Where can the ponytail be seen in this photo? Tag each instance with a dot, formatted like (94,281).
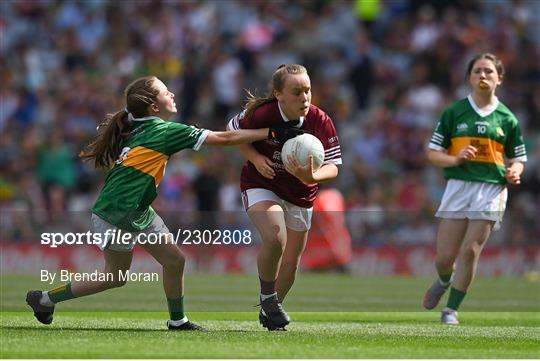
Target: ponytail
(106,147)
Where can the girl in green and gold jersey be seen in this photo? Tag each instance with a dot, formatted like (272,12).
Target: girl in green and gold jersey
(479,144)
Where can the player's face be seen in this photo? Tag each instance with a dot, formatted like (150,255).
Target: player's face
(484,77)
(295,98)
(164,107)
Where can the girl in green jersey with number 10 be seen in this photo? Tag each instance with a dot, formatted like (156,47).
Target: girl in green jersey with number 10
(135,144)
(471,142)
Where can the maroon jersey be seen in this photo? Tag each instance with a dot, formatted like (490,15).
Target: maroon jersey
(285,185)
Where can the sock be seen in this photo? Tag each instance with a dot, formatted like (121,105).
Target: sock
(455,298)
(267,288)
(445,279)
(178,322)
(176,309)
(45,300)
(62,293)
(264,297)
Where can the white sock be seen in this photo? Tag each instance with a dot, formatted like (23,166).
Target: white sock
(264,297)
(446,284)
(178,322)
(45,300)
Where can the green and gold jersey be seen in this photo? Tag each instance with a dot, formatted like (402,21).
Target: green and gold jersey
(495,133)
(131,185)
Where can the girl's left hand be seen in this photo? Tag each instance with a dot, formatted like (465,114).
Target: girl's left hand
(304,173)
(512,177)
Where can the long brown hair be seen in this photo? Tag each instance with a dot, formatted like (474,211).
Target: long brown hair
(277,83)
(116,128)
(494,59)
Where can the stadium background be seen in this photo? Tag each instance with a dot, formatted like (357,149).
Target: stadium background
(382,70)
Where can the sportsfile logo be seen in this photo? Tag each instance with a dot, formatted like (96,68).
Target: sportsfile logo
(114,236)
(123,238)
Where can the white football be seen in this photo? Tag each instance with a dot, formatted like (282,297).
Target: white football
(302,147)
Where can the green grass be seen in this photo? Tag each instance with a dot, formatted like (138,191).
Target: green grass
(334,316)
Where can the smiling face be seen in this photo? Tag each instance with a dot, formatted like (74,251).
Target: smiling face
(164,106)
(484,77)
(295,97)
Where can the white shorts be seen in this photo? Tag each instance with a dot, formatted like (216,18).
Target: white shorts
(473,200)
(115,242)
(296,218)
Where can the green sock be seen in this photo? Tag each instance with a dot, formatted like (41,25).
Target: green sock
(445,278)
(62,293)
(176,308)
(455,298)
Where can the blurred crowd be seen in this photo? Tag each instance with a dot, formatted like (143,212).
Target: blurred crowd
(383,70)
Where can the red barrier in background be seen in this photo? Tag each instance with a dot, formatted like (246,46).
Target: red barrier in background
(410,260)
(329,242)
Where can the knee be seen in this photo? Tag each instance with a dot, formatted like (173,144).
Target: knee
(444,262)
(175,260)
(470,253)
(117,281)
(289,269)
(276,242)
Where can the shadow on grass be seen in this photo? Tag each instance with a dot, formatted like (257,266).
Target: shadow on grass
(115,329)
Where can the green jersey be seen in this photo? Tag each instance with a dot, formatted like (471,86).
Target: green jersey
(494,132)
(131,185)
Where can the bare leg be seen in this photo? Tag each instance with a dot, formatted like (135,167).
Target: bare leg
(269,219)
(475,238)
(449,239)
(172,260)
(296,243)
(114,263)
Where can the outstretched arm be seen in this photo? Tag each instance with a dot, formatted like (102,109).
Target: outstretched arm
(236,137)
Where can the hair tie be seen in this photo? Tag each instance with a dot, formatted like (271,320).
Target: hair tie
(130,116)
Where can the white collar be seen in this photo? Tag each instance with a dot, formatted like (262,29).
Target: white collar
(483,112)
(130,116)
(300,120)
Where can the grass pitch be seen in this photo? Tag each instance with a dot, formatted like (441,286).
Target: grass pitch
(334,316)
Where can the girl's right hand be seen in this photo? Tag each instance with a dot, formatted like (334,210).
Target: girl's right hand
(467,153)
(264,166)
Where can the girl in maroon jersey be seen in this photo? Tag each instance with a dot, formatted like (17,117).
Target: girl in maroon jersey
(279,197)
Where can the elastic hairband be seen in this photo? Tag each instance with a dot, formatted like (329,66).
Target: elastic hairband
(131,118)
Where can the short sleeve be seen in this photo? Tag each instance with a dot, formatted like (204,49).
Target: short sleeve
(515,146)
(328,136)
(234,123)
(180,136)
(440,140)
